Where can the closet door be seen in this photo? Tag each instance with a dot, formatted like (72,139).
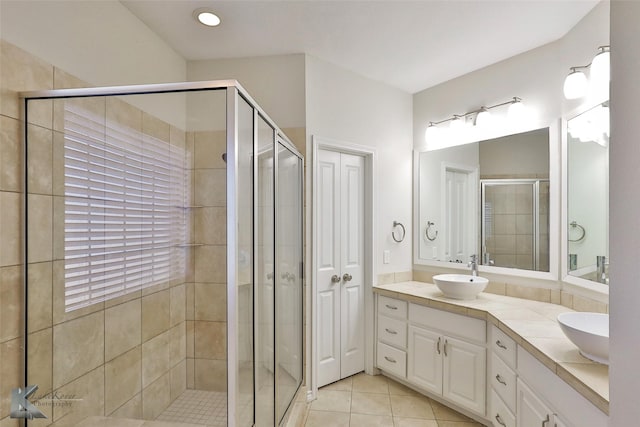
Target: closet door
(340,298)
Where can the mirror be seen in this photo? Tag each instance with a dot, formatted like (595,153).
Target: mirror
(489,198)
(588,194)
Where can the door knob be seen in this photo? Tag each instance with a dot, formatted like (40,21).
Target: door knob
(347,277)
(335,278)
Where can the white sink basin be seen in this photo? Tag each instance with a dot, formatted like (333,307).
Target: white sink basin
(460,286)
(589,332)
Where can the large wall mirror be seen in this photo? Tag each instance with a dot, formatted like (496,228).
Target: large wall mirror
(587,218)
(490,198)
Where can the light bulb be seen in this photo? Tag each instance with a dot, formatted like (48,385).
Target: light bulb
(206,17)
(600,72)
(457,123)
(484,118)
(431,132)
(517,112)
(575,85)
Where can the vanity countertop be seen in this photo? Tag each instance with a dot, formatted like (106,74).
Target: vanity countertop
(531,324)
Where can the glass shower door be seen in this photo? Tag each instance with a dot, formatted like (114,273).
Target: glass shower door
(288,279)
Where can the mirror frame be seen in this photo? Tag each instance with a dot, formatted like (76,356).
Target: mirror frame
(567,279)
(556,184)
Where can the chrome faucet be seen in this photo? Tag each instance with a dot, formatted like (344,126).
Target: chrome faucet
(601,268)
(473,264)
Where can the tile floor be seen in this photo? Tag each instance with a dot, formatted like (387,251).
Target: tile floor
(198,407)
(370,401)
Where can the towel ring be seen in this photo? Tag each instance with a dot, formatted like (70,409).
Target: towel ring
(574,224)
(429,224)
(393,233)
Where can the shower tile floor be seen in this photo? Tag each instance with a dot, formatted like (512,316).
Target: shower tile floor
(208,408)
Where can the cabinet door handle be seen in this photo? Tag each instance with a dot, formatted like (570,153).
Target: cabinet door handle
(445,347)
(438,346)
(544,422)
(499,344)
(390,359)
(499,420)
(500,380)
(390,331)
(391,307)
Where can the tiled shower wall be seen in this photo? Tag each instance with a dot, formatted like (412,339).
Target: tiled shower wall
(124,357)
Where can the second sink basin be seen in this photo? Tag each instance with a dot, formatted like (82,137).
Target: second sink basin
(460,286)
(589,332)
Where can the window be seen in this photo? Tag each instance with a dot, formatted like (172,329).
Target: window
(124,211)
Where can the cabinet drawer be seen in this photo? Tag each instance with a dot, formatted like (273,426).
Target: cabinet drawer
(504,346)
(392,331)
(392,307)
(499,414)
(450,323)
(503,381)
(392,360)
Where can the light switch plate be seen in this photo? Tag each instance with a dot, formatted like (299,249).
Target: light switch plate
(386,257)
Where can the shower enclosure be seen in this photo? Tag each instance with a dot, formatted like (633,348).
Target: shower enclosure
(163,246)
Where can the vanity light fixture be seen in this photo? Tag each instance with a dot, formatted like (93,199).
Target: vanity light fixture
(206,17)
(576,83)
(483,118)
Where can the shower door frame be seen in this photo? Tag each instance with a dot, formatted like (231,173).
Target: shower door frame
(234,90)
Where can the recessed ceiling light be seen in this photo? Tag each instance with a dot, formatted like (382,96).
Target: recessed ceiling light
(206,17)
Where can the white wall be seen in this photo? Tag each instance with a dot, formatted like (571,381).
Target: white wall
(275,82)
(100,42)
(624,375)
(344,106)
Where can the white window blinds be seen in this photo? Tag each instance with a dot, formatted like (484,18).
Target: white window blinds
(125,222)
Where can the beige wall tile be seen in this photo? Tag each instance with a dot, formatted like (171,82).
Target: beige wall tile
(178,305)
(57,164)
(566,299)
(178,379)
(122,114)
(155,314)
(122,328)
(403,276)
(210,187)
(10,226)
(40,164)
(555,296)
(89,388)
(155,358)
(496,288)
(210,375)
(177,344)
(211,264)
(210,340)
(11,300)
(78,347)
(536,294)
(422,276)
(191,374)
(209,147)
(10,372)
(40,308)
(386,278)
(123,379)
(9,422)
(190,302)
(178,138)
(585,304)
(190,338)
(58,228)
(40,223)
(11,157)
(156,128)
(210,302)
(22,71)
(156,397)
(131,409)
(210,225)
(40,360)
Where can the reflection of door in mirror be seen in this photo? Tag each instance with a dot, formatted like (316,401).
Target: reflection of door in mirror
(459,212)
(588,194)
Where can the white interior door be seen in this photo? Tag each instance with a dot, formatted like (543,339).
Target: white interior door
(340,265)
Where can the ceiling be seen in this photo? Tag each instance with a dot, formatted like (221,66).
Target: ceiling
(411,45)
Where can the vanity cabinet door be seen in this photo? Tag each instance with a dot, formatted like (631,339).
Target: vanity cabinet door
(464,374)
(531,411)
(425,359)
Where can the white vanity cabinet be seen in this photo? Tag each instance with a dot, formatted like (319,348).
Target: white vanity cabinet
(446,355)
(391,348)
(502,378)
